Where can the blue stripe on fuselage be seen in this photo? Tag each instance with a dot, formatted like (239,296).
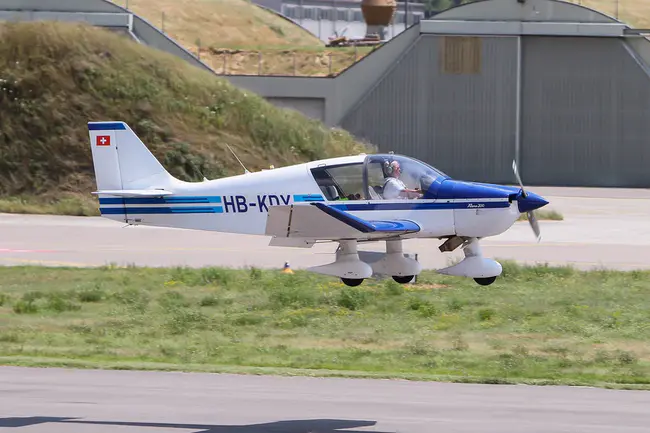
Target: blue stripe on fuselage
(166,205)
(307,197)
(161,200)
(415,205)
(159,210)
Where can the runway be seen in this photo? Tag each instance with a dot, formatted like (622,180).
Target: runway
(602,228)
(86,401)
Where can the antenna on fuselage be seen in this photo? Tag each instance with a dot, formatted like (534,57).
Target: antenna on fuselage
(240,163)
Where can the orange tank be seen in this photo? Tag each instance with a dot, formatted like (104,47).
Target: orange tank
(378,12)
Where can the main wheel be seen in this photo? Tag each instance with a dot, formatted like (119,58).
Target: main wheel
(485,281)
(352,282)
(402,279)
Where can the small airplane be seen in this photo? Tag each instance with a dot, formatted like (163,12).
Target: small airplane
(348,200)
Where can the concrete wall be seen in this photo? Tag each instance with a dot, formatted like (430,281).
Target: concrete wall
(310,107)
(458,115)
(61,5)
(338,94)
(153,37)
(356,81)
(311,96)
(100,19)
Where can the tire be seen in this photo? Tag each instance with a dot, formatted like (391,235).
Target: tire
(485,281)
(403,279)
(352,282)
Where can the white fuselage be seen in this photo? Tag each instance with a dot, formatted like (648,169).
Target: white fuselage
(239,204)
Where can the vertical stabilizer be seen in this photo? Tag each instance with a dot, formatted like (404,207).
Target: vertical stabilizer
(122,161)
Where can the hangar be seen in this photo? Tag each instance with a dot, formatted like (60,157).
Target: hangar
(563,89)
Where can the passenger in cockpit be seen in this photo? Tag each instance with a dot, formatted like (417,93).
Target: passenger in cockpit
(394,188)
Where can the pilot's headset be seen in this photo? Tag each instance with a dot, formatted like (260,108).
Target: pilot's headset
(388,168)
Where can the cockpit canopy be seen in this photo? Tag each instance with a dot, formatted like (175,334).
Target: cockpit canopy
(367,180)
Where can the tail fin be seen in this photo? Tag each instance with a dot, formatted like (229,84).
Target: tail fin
(122,162)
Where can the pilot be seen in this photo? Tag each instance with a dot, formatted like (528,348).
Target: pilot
(394,188)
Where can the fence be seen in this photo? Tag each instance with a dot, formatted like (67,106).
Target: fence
(281,62)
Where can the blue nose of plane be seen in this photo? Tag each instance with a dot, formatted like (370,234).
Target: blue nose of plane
(531,202)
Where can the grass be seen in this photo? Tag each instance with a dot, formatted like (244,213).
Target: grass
(221,23)
(55,77)
(540,324)
(541,214)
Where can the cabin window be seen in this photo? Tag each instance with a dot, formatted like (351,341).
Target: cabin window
(341,182)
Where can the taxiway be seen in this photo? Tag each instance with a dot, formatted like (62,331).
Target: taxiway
(87,401)
(607,228)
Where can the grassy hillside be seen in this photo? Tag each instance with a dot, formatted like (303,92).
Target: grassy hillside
(224,23)
(635,13)
(240,31)
(58,76)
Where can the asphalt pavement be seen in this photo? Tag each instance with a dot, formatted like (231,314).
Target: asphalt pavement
(87,401)
(607,228)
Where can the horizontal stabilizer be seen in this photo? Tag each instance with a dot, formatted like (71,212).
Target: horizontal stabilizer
(320,221)
(135,192)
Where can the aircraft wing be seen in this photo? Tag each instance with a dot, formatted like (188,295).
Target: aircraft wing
(135,192)
(318,221)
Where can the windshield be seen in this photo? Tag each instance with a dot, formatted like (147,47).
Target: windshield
(379,177)
(392,177)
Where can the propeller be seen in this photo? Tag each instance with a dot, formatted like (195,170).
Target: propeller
(532,219)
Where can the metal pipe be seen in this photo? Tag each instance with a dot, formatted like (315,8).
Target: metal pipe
(518,107)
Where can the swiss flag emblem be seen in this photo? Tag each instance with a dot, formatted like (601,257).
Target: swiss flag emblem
(103,140)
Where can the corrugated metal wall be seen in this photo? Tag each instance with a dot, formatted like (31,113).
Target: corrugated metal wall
(586,113)
(450,101)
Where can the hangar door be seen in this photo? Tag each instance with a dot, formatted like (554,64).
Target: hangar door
(585,114)
(449,101)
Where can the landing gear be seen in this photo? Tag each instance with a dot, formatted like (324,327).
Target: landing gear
(483,270)
(352,270)
(485,281)
(403,279)
(347,266)
(352,282)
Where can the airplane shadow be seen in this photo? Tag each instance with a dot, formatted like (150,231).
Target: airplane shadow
(292,426)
